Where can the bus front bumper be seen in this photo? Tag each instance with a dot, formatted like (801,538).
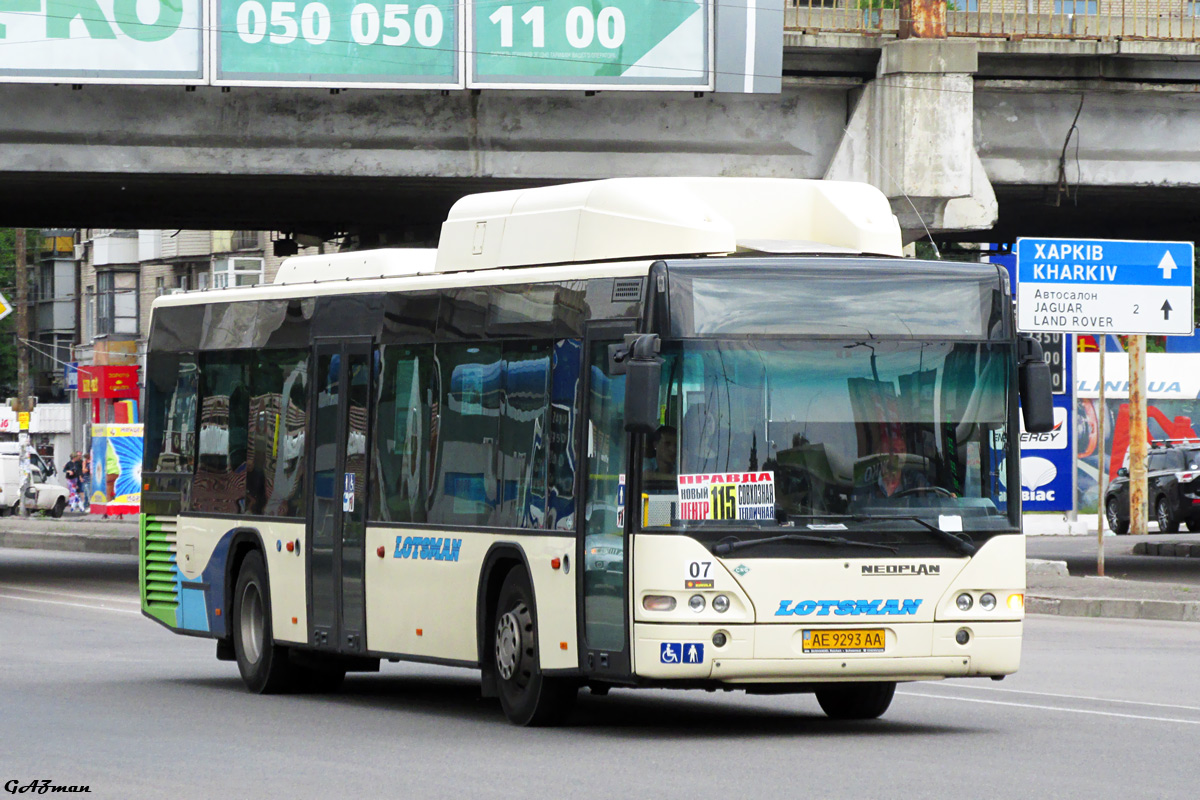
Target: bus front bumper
(776,653)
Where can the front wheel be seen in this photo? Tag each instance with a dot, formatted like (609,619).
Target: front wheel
(60,505)
(527,696)
(857,700)
(264,665)
(1166,520)
(1115,523)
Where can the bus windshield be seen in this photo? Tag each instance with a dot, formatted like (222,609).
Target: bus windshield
(825,434)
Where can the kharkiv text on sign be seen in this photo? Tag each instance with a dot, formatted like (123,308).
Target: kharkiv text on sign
(1104,286)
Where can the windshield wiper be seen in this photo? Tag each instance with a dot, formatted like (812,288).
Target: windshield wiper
(960,544)
(727,546)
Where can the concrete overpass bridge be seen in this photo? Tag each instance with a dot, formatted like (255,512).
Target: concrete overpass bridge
(1010,125)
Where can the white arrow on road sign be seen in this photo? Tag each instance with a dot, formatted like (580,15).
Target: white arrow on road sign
(1167,265)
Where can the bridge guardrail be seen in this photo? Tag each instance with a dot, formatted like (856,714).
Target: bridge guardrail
(1152,20)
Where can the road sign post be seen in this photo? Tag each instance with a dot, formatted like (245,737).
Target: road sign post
(1103,286)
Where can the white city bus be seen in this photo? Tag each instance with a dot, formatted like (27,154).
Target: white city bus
(639,432)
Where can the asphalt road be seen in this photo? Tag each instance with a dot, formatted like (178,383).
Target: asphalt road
(92,693)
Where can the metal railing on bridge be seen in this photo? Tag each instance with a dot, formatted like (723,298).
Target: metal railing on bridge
(1152,20)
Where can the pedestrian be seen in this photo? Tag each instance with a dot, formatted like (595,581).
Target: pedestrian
(73,472)
(85,481)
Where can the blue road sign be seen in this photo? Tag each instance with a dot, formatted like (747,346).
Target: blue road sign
(1104,286)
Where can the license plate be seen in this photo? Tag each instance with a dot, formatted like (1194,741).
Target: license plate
(864,640)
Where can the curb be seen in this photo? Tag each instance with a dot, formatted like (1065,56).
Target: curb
(1169,610)
(70,542)
(1169,549)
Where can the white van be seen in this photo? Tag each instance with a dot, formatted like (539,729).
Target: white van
(41,495)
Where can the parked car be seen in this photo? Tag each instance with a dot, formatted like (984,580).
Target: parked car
(1172,489)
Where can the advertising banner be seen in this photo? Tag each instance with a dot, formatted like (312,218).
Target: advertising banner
(1172,411)
(102,41)
(116,469)
(609,44)
(1046,462)
(338,43)
(112,382)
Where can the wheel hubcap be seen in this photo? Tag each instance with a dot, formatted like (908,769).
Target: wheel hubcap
(508,645)
(251,623)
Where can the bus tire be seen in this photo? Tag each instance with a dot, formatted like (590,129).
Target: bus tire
(857,700)
(527,696)
(264,665)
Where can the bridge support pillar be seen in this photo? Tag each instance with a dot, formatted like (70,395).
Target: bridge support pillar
(912,135)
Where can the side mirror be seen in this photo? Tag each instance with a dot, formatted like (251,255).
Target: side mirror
(1033,374)
(1123,472)
(638,359)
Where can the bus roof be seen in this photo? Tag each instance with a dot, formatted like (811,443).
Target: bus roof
(624,218)
(631,219)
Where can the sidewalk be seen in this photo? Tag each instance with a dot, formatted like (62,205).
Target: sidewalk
(73,533)
(1060,574)
(1051,589)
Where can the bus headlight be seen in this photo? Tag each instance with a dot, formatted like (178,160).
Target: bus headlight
(987,601)
(720,604)
(696,603)
(964,602)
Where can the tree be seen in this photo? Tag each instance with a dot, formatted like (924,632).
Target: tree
(8,325)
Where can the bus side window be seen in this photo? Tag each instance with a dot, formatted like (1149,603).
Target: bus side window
(219,482)
(464,483)
(522,448)
(564,416)
(170,412)
(403,425)
(278,410)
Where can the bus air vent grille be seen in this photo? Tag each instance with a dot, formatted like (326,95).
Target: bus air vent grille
(158,563)
(627,290)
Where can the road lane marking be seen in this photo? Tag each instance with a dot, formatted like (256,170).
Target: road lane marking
(1074,697)
(74,605)
(1051,708)
(125,599)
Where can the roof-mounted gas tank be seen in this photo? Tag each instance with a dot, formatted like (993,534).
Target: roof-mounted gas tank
(636,218)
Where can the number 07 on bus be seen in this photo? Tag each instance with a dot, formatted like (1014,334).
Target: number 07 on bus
(709,433)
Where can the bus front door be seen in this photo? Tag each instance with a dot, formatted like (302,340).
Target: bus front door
(604,551)
(338,477)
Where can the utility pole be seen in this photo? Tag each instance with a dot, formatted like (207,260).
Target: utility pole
(24,385)
(1137,435)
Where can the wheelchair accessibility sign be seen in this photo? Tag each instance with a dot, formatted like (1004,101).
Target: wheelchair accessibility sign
(682,653)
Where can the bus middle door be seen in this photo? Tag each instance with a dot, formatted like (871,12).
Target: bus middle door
(338,477)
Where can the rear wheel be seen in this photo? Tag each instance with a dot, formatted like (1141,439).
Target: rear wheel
(264,665)
(857,700)
(527,696)
(1193,525)
(1114,520)
(1166,520)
